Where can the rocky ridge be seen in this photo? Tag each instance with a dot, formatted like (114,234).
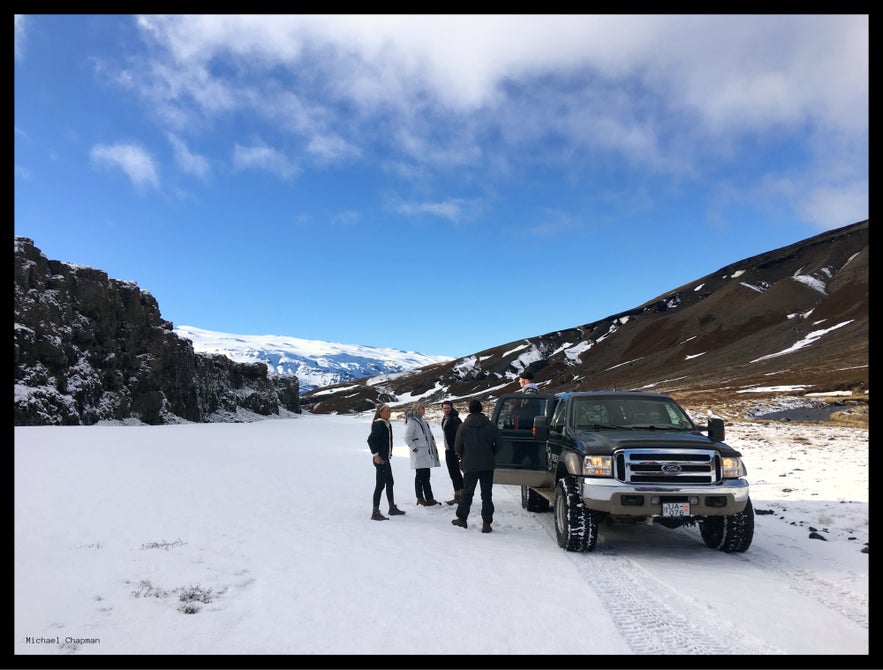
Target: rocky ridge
(88,348)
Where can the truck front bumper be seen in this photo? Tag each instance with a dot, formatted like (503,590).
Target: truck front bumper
(618,498)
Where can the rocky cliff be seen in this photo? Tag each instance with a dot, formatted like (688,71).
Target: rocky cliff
(89,348)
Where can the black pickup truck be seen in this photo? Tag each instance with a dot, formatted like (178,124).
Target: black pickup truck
(622,457)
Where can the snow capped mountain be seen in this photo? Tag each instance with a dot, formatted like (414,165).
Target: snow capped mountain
(315,363)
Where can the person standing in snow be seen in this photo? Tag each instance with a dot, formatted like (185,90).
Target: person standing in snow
(424,453)
(449,423)
(380,443)
(476,445)
(525,381)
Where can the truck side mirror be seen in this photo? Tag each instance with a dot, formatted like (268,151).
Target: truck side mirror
(716,429)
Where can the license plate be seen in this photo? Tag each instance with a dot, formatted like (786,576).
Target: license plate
(675,509)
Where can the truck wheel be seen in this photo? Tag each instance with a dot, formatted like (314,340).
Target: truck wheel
(576,528)
(712,531)
(533,501)
(730,534)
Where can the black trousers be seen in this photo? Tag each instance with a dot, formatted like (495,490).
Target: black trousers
(484,478)
(453,464)
(383,473)
(421,484)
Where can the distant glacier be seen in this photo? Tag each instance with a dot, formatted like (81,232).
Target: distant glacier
(316,363)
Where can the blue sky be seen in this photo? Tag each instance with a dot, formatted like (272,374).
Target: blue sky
(439,184)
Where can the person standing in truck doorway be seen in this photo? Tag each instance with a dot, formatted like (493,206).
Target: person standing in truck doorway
(525,380)
(449,423)
(476,445)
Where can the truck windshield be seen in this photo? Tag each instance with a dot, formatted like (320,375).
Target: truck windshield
(598,413)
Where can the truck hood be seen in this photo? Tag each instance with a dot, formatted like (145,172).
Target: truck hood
(607,441)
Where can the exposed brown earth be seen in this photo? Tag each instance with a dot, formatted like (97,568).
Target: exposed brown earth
(792,322)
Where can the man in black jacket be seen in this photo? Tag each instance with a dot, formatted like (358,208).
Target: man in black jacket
(476,445)
(449,423)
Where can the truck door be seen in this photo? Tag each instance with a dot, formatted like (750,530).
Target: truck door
(556,431)
(521,459)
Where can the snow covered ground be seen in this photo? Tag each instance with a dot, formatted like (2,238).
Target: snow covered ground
(256,538)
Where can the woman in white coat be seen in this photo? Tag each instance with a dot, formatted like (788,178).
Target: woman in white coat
(424,453)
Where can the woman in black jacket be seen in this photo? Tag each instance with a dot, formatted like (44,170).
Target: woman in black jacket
(380,443)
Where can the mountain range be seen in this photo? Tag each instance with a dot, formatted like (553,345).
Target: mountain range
(315,363)
(793,320)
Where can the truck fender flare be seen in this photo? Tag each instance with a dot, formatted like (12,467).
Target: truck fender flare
(571,464)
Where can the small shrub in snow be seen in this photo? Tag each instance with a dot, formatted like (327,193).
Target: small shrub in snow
(147,590)
(195,594)
(163,544)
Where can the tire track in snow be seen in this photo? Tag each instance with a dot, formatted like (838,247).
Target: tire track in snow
(648,623)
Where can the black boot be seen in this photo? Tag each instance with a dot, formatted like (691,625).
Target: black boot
(393,510)
(377,516)
(486,527)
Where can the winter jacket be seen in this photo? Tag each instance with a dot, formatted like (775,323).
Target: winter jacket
(449,425)
(421,442)
(477,443)
(380,439)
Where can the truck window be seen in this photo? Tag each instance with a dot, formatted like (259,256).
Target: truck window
(519,413)
(653,412)
(559,417)
(588,412)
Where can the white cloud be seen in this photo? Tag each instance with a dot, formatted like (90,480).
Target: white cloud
(262,157)
(331,149)
(132,159)
(20,23)
(666,93)
(188,161)
(830,207)
(780,69)
(448,209)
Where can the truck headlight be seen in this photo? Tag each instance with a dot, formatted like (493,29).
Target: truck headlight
(733,467)
(598,466)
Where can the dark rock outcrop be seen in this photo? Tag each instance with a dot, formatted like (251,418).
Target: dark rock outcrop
(89,348)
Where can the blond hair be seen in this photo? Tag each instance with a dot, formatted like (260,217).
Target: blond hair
(379,409)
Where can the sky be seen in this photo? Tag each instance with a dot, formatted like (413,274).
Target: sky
(365,179)
(256,538)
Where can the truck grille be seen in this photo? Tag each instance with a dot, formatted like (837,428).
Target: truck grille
(669,466)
